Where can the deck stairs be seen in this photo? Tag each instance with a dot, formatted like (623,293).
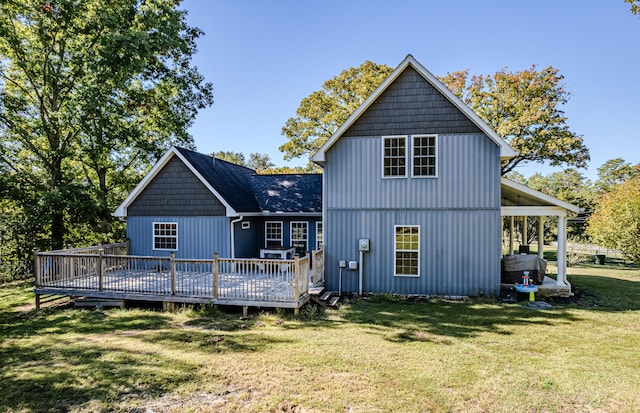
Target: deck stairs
(324,298)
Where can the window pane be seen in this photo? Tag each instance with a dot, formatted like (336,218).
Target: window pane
(424,156)
(407,250)
(394,156)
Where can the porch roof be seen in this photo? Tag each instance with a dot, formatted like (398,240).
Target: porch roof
(520,196)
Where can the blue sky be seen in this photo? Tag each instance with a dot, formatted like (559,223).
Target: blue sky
(264,57)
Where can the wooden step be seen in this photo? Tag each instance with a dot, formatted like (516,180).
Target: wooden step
(333,301)
(316,290)
(326,295)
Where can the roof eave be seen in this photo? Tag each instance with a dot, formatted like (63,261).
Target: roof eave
(542,196)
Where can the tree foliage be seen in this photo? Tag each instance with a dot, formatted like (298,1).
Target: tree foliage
(524,108)
(616,221)
(91,93)
(635,6)
(614,172)
(322,112)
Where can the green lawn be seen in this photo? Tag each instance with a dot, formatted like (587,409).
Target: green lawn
(381,354)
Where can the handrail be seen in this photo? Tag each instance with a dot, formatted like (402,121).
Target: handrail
(218,279)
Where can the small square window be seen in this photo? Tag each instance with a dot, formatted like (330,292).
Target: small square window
(165,236)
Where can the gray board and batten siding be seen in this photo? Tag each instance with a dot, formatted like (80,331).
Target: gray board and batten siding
(458,211)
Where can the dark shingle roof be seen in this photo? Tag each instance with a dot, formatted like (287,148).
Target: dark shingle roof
(231,181)
(288,192)
(246,191)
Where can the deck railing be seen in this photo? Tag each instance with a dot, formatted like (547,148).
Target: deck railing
(317,276)
(223,279)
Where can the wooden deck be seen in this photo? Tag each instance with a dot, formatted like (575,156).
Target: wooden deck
(237,282)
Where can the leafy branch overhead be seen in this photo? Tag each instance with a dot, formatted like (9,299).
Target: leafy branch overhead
(524,108)
(91,93)
(321,113)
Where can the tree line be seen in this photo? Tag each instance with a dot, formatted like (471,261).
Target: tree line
(93,92)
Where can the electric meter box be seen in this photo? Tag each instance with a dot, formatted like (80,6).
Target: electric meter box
(363,244)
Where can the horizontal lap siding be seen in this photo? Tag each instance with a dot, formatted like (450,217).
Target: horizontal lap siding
(198,237)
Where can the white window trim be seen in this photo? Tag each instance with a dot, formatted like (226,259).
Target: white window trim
(246,224)
(395,227)
(266,239)
(153,236)
(426,135)
(407,151)
(319,223)
(306,223)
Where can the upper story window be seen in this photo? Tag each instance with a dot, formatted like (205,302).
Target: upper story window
(394,156)
(165,236)
(273,234)
(425,155)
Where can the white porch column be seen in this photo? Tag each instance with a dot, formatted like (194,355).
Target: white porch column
(525,234)
(540,237)
(511,234)
(562,250)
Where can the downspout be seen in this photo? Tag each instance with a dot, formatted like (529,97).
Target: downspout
(233,240)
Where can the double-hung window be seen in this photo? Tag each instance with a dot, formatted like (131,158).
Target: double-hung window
(299,237)
(407,251)
(415,153)
(165,236)
(394,156)
(424,156)
(273,234)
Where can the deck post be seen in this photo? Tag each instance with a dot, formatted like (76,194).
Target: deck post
(36,267)
(296,268)
(36,273)
(313,268)
(172,258)
(215,276)
(100,269)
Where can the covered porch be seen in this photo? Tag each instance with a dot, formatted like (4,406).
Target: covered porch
(521,201)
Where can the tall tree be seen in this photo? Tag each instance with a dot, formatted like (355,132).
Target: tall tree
(616,221)
(614,172)
(524,108)
(322,112)
(91,92)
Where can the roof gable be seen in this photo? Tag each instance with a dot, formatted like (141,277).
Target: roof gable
(411,62)
(229,180)
(239,189)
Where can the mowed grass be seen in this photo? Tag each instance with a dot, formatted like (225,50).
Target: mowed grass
(379,354)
